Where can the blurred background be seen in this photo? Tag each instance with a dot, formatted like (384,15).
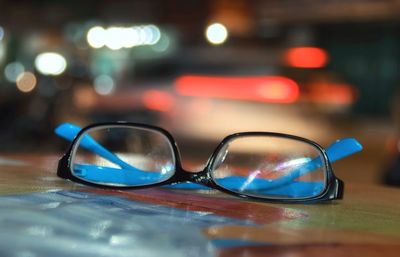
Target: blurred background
(321,69)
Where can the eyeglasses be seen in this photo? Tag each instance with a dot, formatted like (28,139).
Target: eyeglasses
(265,166)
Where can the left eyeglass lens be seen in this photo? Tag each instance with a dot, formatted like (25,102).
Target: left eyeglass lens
(123,156)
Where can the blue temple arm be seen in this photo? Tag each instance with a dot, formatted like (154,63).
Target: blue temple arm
(336,151)
(342,148)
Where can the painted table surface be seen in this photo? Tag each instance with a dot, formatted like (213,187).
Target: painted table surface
(42,215)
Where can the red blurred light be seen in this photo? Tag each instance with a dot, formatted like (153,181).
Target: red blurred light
(158,100)
(306,57)
(273,89)
(332,93)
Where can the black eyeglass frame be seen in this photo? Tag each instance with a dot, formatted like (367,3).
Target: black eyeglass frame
(333,190)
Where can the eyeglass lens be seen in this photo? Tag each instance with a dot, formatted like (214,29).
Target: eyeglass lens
(270,167)
(123,156)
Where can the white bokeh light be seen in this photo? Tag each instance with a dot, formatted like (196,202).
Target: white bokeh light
(13,70)
(116,38)
(150,35)
(96,37)
(132,37)
(104,85)
(216,34)
(50,63)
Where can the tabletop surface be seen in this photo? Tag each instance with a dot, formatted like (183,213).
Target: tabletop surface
(76,220)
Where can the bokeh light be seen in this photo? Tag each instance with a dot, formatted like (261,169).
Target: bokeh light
(104,85)
(332,93)
(216,34)
(132,37)
(158,100)
(163,44)
(26,82)
(270,89)
(116,38)
(50,63)
(13,70)
(84,96)
(306,57)
(96,37)
(150,34)
(1,33)
(2,52)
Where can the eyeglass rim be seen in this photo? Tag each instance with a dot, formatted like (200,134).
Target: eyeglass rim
(334,187)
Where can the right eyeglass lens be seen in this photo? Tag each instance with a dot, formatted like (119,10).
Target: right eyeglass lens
(123,156)
(270,167)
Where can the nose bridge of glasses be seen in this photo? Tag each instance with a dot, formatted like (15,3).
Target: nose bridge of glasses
(200,177)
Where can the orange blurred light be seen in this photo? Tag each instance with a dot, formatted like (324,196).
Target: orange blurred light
(84,96)
(158,100)
(273,89)
(26,82)
(306,57)
(332,93)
